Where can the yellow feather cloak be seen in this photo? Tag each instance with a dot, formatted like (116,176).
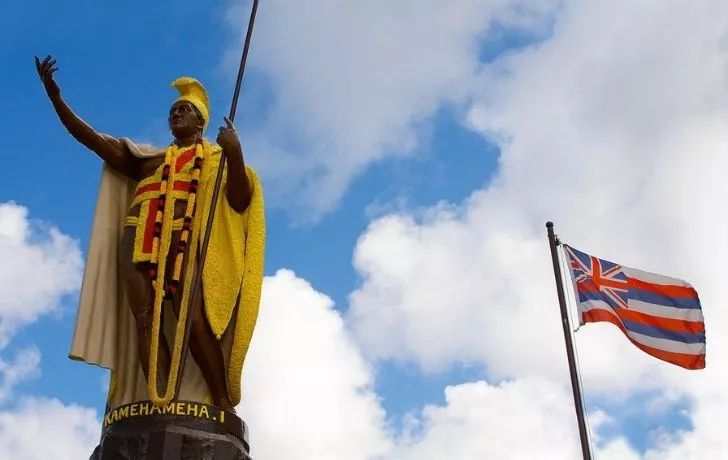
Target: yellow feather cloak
(105,333)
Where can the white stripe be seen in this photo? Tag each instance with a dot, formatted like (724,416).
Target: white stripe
(589,305)
(654,342)
(661,311)
(669,345)
(653,278)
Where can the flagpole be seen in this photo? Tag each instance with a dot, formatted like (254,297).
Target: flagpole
(575,385)
(197,280)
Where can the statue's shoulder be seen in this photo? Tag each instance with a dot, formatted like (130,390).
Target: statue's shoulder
(213,148)
(142,150)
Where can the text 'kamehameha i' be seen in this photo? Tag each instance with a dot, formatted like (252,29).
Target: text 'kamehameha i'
(176,408)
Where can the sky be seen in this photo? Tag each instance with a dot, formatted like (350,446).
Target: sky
(411,152)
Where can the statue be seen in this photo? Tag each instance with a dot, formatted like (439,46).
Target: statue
(149,222)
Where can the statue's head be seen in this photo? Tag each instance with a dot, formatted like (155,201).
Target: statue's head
(190,113)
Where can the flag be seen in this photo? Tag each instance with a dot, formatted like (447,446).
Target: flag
(662,316)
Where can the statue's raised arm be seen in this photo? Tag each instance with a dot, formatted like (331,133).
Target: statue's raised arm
(113,151)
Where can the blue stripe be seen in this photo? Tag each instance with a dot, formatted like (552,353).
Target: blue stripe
(666,301)
(592,295)
(659,333)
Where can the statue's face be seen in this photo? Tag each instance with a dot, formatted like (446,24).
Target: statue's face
(184,120)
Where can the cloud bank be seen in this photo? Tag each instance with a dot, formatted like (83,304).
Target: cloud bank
(613,126)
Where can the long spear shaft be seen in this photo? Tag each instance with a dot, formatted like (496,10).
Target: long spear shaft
(573,372)
(197,280)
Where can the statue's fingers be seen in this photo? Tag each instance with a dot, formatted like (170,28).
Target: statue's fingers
(52,71)
(48,64)
(229,123)
(37,64)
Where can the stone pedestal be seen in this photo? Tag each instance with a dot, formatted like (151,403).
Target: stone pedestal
(181,431)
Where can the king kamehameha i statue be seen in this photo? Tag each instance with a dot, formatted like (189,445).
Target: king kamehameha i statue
(149,224)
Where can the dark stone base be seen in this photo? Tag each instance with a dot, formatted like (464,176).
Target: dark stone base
(173,437)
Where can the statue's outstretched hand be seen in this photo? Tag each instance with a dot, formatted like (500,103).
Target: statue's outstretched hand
(46,69)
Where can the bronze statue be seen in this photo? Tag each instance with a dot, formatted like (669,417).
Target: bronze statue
(151,213)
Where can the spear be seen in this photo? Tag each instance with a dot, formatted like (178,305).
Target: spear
(197,280)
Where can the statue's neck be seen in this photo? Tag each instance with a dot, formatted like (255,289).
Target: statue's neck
(187,141)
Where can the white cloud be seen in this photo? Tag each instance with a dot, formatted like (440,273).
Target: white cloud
(39,429)
(526,418)
(23,367)
(306,383)
(307,391)
(614,128)
(610,180)
(38,268)
(497,419)
(308,394)
(354,81)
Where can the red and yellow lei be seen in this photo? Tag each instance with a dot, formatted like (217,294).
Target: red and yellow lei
(178,178)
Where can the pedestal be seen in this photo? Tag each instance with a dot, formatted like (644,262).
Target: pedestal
(181,431)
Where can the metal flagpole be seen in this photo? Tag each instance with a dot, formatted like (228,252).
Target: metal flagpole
(197,280)
(575,385)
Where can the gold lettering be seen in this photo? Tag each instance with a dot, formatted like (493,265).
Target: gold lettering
(192,408)
(170,408)
(142,408)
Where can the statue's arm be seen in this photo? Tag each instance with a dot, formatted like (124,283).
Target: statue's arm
(238,190)
(113,151)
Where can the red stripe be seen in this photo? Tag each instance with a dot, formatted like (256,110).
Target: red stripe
(148,240)
(668,324)
(662,289)
(184,158)
(147,188)
(591,287)
(684,360)
(149,226)
(181,185)
(178,185)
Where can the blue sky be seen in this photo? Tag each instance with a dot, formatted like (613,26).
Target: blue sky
(435,178)
(119,83)
(101,81)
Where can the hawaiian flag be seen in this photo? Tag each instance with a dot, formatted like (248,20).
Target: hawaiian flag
(660,315)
